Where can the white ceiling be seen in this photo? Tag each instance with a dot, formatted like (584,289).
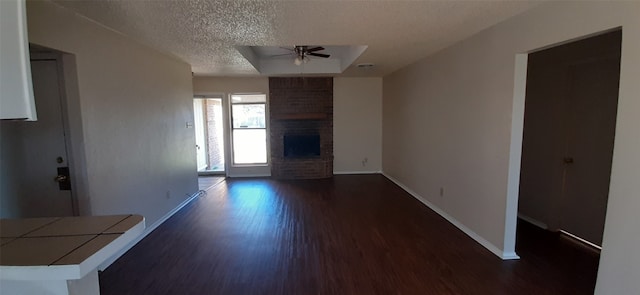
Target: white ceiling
(205,33)
(274,60)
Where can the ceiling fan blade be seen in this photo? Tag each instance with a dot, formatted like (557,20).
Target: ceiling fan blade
(315,49)
(288,48)
(275,55)
(319,55)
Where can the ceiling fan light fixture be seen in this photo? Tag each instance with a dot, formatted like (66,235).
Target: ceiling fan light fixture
(297,61)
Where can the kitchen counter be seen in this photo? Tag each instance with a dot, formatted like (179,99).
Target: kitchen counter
(60,255)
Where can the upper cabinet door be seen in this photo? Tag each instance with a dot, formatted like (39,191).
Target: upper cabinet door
(16,90)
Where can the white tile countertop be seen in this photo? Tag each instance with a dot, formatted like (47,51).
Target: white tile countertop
(62,248)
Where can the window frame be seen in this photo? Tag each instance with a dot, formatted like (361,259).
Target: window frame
(232,128)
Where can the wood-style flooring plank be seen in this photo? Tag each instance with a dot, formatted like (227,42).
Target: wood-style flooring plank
(351,234)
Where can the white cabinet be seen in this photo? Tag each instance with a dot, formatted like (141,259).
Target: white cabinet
(16,90)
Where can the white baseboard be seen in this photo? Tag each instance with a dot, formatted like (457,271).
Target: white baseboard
(488,245)
(148,230)
(356,172)
(535,222)
(249,175)
(509,256)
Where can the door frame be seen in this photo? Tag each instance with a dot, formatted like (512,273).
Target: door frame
(225,131)
(199,125)
(71,122)
(230,170)
(517,130)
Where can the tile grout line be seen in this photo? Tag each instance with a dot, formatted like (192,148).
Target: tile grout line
(71,251)
(94,237)
(123,219)
(35,229)
(41,227)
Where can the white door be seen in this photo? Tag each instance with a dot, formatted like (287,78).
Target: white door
(209,130)
(200,130)
(33,153)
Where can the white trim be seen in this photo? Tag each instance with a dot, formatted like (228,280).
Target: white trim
(356,172)
(147,231)
(581,240)
(214,95)
(249,175)
(515,152)
(211,173)
(491,247)
(267,129)
(509,256)
(535,222)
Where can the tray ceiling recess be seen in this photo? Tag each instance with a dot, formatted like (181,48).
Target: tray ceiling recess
(288,59)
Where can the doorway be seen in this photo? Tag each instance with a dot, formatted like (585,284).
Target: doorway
(231,134)
(569,130)
(38,168)
(209,131)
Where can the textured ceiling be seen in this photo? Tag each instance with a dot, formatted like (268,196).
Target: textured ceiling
(274,60)
(203,33)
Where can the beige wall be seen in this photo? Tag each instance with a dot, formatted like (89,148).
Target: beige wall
(228,85)
(451,121)
(134,105)
(357,125)
(357,116)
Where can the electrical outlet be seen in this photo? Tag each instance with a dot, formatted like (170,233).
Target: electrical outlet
(442,191)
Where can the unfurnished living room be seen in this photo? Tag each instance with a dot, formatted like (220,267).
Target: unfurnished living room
(319,147)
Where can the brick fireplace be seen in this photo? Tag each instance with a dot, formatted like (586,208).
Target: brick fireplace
(301,117)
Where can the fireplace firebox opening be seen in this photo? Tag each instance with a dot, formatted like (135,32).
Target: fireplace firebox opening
(302,146)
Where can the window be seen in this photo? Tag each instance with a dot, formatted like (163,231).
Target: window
(249,129)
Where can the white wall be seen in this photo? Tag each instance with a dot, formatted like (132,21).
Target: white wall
(451,121)
(357,125)
(134,103)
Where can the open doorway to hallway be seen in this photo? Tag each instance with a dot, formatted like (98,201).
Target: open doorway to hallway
(567,147)
(209,129)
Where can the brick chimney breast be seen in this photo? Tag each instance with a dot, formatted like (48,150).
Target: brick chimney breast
(301,107)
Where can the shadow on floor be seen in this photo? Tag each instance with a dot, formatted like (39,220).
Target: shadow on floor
(207,182)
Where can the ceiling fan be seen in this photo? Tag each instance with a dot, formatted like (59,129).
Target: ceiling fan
(303,52)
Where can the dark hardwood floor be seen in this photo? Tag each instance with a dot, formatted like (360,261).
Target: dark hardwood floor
(207,182)
(352,234)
